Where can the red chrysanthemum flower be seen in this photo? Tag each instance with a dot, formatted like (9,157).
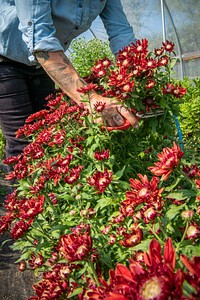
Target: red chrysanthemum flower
(74,175)
(155,279)
(168,46)
(34,150)
(5,222)
(100,180)
(191,171)
(179,91)
(37,116)
(102,155)
(193,276)
(159,51)
(36,261)
(75,246)
(193,231)
(58,138)
(49,289)
(133,238)
(99,106)
(169,159)
(143,191)
(119,78)
(163,61)
(140,46)
(150,104)
(29,208)
(88,88)
(197,181)
(150,84)
(19,228)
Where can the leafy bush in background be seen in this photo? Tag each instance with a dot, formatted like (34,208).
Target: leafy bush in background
(190,111)
(83,54)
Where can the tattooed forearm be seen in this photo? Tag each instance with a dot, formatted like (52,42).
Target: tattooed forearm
(60,69)
(42,55)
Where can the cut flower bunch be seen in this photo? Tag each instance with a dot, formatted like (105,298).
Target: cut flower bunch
(138,78)
(86,218)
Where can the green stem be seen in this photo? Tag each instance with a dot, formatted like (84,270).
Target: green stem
(44,232)
(161,228)
(93,273)
(188,180)
(157,237)
(183,236)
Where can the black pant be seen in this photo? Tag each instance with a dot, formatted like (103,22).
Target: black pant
(23,90)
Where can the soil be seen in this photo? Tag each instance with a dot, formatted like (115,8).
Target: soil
(14,285)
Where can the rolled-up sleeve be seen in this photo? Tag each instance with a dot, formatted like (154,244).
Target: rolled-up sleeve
(119,31)
(36,25)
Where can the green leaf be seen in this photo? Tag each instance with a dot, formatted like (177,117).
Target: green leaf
(119,173)
(143,246)
(182,194)
(75,292)
(172,186)
(103,202)
(174,210)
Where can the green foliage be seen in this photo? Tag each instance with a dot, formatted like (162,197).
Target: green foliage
(190,111)
(83,54)
(68,183)
(2,144)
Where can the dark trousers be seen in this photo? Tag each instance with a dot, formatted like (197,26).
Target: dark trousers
(23,91)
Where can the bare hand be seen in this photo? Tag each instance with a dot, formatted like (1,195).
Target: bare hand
(114,114)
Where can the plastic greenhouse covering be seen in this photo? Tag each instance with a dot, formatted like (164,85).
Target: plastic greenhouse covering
(160,20)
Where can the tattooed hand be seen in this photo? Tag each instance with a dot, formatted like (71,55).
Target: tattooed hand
(114,114)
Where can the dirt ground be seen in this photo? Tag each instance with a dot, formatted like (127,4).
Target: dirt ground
(14,285)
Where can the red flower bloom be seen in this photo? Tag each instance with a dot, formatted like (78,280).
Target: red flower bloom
(197,181)
(179,91)
(36,116)
(34,150)
(58,138)
(99,68)
(102,155)
(36,261)
(140,46)
(163,61)
(143,191)
(175,90)
(191,171)
(22,266)
(132,239)
(74,175)
(150,84)
(159,51)
(75,246)
(169,159)
(86,89)
(19,228)
(168,46)
(100,180)
(49,289)
(148,214)
(193,277)
(119,78)
(99,106)
(29,208)
(193,231)
(5,222)
(157,279)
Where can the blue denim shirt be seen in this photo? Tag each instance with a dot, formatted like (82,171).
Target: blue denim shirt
(27,26)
